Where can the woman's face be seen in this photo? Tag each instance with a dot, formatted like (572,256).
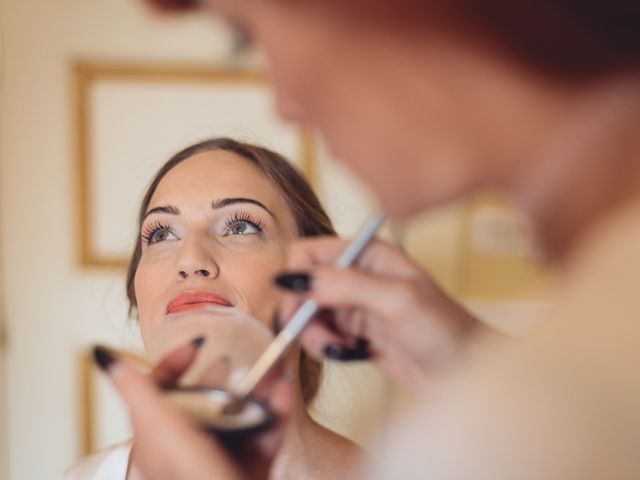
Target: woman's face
(215,233)
(421,119)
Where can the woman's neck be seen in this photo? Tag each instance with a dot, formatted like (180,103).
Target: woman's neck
(590,166)
(311,451)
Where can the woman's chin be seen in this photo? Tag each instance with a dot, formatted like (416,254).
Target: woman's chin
(232,341)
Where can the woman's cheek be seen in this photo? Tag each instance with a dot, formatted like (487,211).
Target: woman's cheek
(260,292)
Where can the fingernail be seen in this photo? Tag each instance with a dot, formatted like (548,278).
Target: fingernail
(297,282)
(198,341)
(362,344)
(103,357)
(275,324)
(359,352)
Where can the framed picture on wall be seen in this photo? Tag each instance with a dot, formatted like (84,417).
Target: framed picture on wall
(103,419)
(500,259)
(131,119)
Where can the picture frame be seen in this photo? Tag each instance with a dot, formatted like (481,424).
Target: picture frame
(103,420)
(131,118)
(500,258)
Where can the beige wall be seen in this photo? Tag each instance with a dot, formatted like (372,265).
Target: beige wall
(3,359)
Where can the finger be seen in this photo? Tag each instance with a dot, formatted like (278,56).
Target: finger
(319,333)
(167,372)
(317,339)
(282,401)
(168,445)
(335,289)
(308,252)
(213,374)
(279,393)
(335,334)
(340,289)
(378,257)
(272,388)
(306,256)
(349,322)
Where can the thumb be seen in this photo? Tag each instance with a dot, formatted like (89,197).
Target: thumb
(280,394)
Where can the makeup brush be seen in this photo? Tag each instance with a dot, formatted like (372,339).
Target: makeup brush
(300,319)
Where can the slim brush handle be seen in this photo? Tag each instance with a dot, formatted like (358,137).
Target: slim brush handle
(360,241)
(301,318)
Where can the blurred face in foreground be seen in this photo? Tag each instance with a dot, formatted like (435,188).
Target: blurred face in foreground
(421,117)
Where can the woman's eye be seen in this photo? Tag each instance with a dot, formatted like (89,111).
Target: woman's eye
(160,235)
(243,228)
(243,223)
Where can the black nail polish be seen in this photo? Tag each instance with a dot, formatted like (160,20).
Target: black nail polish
(362,344)
(198,341)
(103,358)
(297,282)
(334,351)
(275,324)
(359,352)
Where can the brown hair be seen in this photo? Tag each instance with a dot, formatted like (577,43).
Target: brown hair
(308,213)
(570,38)
(575,39)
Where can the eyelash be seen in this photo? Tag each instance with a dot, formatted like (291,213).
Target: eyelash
(149,230)
(243,217)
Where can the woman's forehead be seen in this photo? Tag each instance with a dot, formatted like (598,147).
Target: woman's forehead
(215,175)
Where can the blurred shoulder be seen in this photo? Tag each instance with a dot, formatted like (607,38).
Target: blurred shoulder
(599,301)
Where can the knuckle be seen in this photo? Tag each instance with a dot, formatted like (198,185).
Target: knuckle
(407,295)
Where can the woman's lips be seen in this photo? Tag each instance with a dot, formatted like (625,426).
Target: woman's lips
(196,300)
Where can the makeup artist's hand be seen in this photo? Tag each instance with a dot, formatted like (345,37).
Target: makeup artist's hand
(167,445)
(385,308)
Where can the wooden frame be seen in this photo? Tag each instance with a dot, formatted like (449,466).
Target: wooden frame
(87,76)
(87,404)
(500,260)
(99,400)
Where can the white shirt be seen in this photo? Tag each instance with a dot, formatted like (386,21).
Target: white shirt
(109,464)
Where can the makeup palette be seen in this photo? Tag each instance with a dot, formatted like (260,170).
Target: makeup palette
(209,408)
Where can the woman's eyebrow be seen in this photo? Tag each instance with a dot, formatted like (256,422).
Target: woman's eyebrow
(171,210)
(225,202)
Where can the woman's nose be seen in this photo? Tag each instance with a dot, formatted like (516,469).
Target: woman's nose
(203,272)
(197,261)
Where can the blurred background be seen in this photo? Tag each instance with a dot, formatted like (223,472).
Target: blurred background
(94,96)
